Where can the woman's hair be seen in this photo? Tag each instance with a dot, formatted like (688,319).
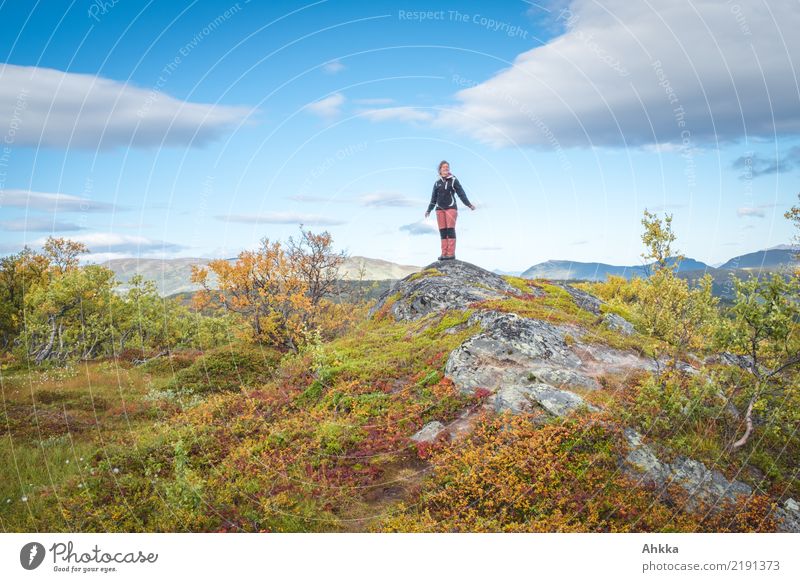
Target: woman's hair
(442,163)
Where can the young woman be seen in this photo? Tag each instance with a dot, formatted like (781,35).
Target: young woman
(443,198)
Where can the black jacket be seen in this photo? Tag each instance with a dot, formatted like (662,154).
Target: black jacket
(443,193)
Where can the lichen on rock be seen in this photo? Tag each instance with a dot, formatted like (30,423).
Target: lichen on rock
(448,285)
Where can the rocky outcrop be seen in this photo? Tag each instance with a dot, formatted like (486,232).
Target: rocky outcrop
(442,285)
(600,359)
(618,323)
(582,299)
(511,350)
(519,352)
(593,305)
(520,362)
(523,364)
(788,516)
(519,398)
(699,482)
(516,354)
(729,359)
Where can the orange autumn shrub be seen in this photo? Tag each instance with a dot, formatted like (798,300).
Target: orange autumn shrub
(514,476)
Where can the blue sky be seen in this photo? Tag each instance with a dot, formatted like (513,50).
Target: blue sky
(195,129)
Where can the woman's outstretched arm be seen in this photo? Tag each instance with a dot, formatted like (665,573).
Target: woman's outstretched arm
(433,201)
(461,194)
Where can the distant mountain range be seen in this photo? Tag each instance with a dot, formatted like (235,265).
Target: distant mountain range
(174,275)
(766,259)
(170,275)
(600,271)
(375,269)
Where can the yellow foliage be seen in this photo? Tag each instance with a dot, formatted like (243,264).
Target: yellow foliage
(279,291)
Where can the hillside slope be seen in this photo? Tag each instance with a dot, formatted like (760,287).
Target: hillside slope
(466,401)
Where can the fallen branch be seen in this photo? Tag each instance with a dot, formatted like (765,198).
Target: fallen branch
(140,362)
(748,419)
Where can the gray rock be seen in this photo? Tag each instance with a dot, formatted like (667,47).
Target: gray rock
(574,330)
(513,398)
(465,423)
(445,285)
(642,462)
(687,368)
(700,483)
(428,433)
(605,359)
(729,359)
(558,402)
(581,298)
(617,323)
(788,515)
(519,398)
(510,350)
(562,378)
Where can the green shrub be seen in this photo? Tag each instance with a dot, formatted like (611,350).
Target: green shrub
(333,438)
(224,370)
(171,363)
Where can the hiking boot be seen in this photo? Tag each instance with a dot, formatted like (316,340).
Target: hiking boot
(441,258)
(452,258)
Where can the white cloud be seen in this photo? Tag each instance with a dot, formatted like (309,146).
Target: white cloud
(662,148)
(111,242)
(282,218)
(53,202)
(382,199)
(31,224)
(754,210)
(52,108)
(100,258)
(755,165)
(328,107)
(312,198)
(398,113)
(419,228)
(634,73)
(750,211)
(665,207)
(333,67)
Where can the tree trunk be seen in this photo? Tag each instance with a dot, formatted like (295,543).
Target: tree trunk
(44,353)
(90,352)
(257,325)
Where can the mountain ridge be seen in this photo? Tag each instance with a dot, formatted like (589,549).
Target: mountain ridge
(173,275)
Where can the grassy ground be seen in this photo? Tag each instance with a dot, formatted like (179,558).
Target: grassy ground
(235,440)
(55,422)
(316,445)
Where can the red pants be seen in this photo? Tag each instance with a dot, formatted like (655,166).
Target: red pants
(446,219)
